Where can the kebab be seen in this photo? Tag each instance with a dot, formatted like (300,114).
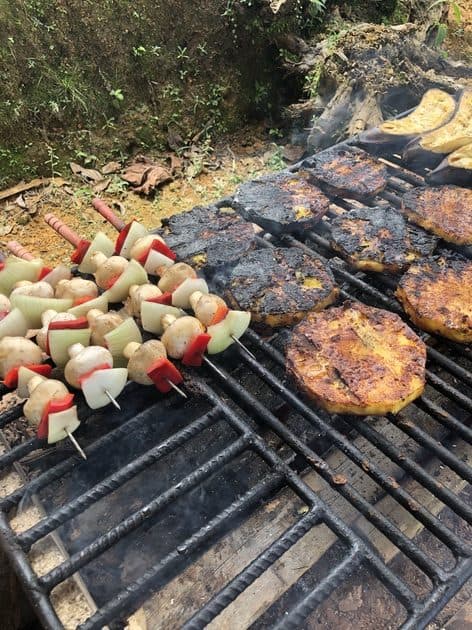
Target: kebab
(148,364)
(51,276)
(12,321)
(84,249)
(16,352)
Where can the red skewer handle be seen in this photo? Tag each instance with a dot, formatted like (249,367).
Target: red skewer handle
(62,229)
(108,214)
(18,250)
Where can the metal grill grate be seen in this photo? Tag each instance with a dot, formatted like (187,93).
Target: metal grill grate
(446,405)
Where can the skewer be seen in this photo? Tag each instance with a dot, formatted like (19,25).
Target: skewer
(236,340)
(177,389)
(63,230)
(213,366)
(107,213)
(19,251)
(112,400)
(76,444)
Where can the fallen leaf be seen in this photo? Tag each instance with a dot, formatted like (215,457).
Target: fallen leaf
(176,163)
(101,186)
(75,168)
(111,167)
(145,175)
(87,174)
(136,173)
(157,176)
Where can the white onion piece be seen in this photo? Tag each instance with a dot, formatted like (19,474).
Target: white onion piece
(24,377)
(152,314)
(235,323)
(33,307)
(133,274)
(17,269)
(81,310)
(101,243)
(118,338)
(61,340)
(14,324)
(59,422)
(93,387)
(156,260)
(56,275)
(181,295)
(136,231)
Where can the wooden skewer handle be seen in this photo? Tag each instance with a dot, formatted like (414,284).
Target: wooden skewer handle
(62,229)
(18,250)
(108,214)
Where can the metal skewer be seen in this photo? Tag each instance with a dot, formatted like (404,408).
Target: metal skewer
(112,400)
(213,366)
(75,443)
(177,389)
(236,340)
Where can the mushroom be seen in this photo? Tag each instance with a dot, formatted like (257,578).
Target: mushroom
(5,305)
(141,357)
(142,245)
(41,392)
(85,360)
(34,289)
(175,275)
(46,318)
(16,351)
(76,288)
(179,334)
(139,293)
(208,308)
(101,324)
(107,270)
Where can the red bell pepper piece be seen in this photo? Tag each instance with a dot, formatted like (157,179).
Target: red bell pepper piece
(44,272)
(102,366)
(79,253)
(194,353)
(81,300)
(53,406)
(2,266)
(11,377)
(69,324)
(3,314)
(162,248)
(122,237)
(165,298)
(161,372)
(111,281)
(219,315)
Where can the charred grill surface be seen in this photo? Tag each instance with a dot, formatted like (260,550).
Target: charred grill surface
(437,295)
(281,203)
(348,172)
(208,236)
(443,210)
(357,359)
(279,286)
(379,239)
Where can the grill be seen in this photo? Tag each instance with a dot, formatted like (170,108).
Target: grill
(244,439)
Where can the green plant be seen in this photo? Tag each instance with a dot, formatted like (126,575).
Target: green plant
(276,161)
(117,95)
(441,28)
(87,159)
(52,161)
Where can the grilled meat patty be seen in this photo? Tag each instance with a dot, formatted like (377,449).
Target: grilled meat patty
(281,202)
(279,286)
(379,239)
(357,359)
(208,237)
(437,295)
(348,172)
(443,210)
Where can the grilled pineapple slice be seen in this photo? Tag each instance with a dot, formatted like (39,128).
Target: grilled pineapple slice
(437,295)
(435,109)
(357,359)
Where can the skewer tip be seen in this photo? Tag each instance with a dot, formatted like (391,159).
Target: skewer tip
(236,340)
(177,389)
(214,367)
(112,400)
(76,444)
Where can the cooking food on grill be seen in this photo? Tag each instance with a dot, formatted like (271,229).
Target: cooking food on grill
(101,324)
(184,338)
(456,168)
(13,270)
(59,332)
(348,172)
(430,148)
(33,289)
(437,295)
(443,210)
(357,359)
(91,370)
(379,239)
(281,203)
(223,325)
(435,109)
(16,351)
(50,409)
(152,253)
(148,364)
(77,289)
(208,237)
(137,295)
(178,283)
(52,276)
(280,285)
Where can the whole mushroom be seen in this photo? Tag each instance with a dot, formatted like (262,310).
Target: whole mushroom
(84,360)
(46,318)
(139,293)
(101,324)
(208,308)
(76,288)
(179,334)
(34,289)
(175,275)
(107,269)
(142,245)
(141,357)
(16,351)
(42,391)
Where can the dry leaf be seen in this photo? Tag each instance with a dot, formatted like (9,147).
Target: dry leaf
(136,173)
(155,177)
(111,167)
(87,174)
(101,186)
(75,168)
